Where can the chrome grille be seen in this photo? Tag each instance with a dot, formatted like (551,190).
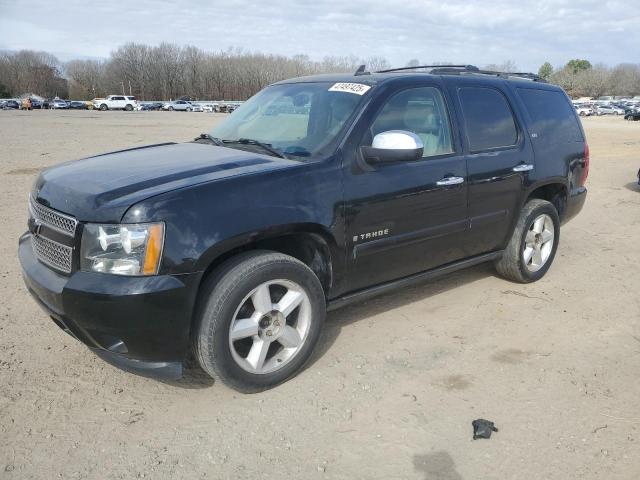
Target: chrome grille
(52,253)
(58,221)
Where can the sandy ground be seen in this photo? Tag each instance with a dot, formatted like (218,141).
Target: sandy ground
(396,381)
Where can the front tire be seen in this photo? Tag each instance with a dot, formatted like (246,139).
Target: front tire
(259,317)
(104,108)
(533,243)
(128,107)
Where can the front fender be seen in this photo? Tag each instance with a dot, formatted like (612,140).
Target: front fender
(206,220)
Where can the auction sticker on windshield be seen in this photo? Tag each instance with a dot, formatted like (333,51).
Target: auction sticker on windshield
(357,88)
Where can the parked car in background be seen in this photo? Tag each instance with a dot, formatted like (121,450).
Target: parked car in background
(11,105)
(76,105)
(584,111)
(196,107)
(632,114)
(609,110)
(115,102)
(56,104)
(35,103)
(210,107)
(178,105)
(151,106)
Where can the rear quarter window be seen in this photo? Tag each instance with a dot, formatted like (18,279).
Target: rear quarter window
(552,118)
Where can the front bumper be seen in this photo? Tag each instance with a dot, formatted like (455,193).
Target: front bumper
(141,324)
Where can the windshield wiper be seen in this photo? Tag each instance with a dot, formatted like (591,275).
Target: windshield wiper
(265,146)
(214,140)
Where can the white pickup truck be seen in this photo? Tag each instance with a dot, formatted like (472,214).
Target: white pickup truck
(115,102)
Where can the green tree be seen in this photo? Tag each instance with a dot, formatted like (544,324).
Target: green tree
(546,70)
(577,65)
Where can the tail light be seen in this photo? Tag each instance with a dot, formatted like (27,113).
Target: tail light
(585,165)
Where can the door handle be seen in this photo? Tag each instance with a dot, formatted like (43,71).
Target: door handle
(450,181)
(523,167)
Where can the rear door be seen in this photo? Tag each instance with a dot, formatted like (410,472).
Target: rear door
(119,102)
(499,158)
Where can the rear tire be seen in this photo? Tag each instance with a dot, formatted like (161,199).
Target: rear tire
(259,317)
(533,243)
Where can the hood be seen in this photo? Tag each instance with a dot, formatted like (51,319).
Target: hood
(103,187)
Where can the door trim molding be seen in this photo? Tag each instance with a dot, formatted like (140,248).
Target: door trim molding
(404,239)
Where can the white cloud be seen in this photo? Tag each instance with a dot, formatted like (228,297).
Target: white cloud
(468,31)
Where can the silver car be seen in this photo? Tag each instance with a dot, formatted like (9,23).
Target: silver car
(57,103)
(609,110)
(181,105)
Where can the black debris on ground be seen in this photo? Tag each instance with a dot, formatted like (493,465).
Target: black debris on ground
(483,428)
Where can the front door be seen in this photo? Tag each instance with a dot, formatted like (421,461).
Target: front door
(405,217)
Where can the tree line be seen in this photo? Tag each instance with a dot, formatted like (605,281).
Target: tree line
(168,71)
(162,72)
(579,78)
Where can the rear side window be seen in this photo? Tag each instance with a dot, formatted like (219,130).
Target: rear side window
(552,117)
(488,119)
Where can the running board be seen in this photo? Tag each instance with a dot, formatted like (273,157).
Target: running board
(411,280)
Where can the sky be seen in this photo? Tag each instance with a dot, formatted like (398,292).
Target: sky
(458,31)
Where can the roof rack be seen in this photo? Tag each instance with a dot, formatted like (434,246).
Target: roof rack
(457,67)
(467,69)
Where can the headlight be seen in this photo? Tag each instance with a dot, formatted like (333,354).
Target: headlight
(133,249)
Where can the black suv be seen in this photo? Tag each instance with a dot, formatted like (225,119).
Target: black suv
(317,192)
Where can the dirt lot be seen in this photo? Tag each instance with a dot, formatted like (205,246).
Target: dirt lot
(396,382)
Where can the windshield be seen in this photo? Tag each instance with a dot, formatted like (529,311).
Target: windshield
(299,120)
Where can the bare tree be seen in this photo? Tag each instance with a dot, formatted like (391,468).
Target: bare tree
(171,71)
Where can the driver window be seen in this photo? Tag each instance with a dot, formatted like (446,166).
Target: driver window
(418,110)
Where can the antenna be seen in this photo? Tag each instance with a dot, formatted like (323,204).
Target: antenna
(361,71)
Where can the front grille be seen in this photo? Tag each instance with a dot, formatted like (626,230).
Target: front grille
(56,220)
(52,253)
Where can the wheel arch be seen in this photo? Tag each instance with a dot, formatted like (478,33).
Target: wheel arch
(553,190)
(312,244)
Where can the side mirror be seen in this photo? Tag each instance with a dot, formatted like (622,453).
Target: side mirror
(393,146)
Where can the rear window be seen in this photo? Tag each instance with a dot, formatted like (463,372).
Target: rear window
(552,118)
(488,119)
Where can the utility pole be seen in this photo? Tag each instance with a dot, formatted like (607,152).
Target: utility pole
(129,87)
(122,83)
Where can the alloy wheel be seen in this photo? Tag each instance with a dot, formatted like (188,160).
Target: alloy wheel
(270,326)
(538,243)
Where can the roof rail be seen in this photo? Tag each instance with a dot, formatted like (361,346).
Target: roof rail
(467,69)
(457,67)
(525,75)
